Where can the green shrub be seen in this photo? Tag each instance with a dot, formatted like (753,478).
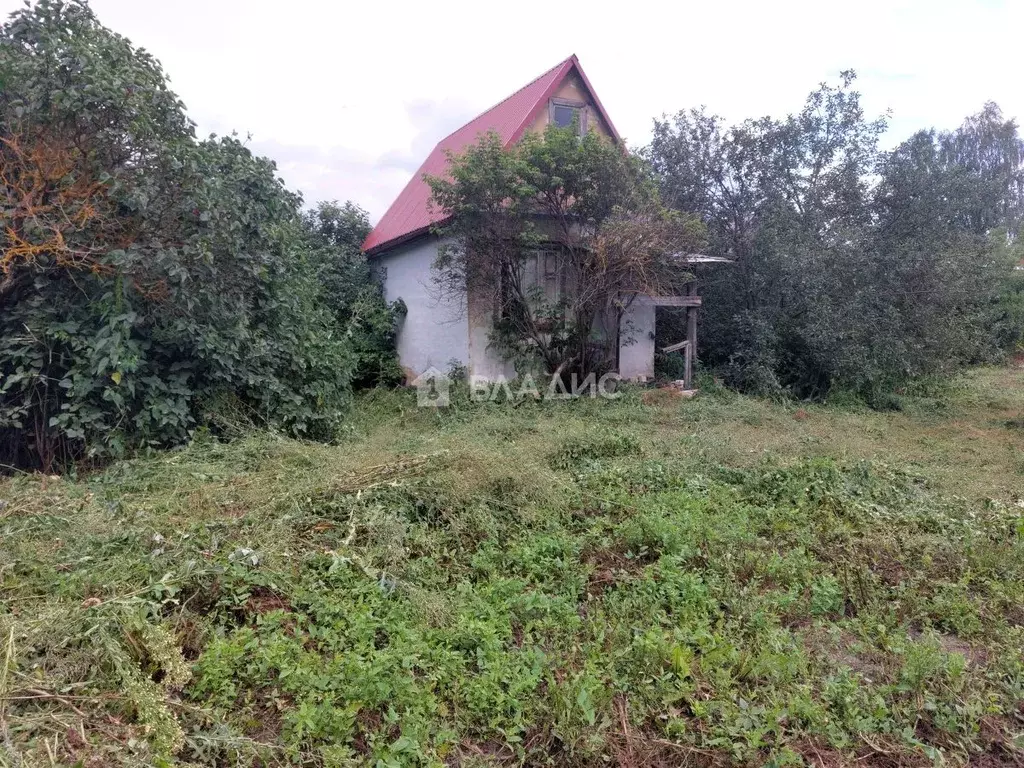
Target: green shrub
(853,268)
(335,234)
(145,277)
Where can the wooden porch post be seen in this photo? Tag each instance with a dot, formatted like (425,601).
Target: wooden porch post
(691,335)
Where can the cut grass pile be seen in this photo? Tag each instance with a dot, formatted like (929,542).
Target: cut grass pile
(641,582)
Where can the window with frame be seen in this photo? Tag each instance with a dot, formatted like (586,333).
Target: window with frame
(563,112)
(540,277)
(550,261)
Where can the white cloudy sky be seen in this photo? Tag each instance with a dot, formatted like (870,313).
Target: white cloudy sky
(348,97)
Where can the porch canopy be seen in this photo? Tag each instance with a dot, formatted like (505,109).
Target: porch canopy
(636,357)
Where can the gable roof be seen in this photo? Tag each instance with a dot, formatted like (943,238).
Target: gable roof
(409,215)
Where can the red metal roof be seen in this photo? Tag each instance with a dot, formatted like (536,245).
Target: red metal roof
(410,214)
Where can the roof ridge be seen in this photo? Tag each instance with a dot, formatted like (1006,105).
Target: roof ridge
(410,214)
(543,74)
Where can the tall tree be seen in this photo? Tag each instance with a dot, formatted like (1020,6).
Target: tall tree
(143,275)
(557,235)
(947,213)
(840,250)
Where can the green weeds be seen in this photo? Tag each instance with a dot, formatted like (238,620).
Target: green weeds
(547,584)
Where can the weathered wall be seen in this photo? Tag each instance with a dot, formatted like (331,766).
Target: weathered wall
(636,340)
(483,360)
(435,330)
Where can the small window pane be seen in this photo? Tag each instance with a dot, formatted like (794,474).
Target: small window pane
(550,264)
(563,115)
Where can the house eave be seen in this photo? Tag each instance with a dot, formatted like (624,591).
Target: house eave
(381,248)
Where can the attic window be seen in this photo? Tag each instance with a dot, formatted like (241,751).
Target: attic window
(563,112)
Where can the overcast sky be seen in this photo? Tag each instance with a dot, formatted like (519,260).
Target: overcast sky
(349,97)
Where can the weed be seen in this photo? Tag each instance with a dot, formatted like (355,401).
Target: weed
(572,583)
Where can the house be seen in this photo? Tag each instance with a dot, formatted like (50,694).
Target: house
(437,330)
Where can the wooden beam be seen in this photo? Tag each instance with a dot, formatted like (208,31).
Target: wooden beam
(675,347)
(676,301)
(691,332)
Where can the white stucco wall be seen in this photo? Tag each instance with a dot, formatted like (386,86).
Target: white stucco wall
(435,330)
(484,360)
(636,340)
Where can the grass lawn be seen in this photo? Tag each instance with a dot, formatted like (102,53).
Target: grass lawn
(644,582)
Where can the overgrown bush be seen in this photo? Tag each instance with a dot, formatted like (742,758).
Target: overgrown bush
(336,233)
(1008,312)
(145,274)
(853,268)
(555,237)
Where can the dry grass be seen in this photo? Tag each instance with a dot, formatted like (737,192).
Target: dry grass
(964,443)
